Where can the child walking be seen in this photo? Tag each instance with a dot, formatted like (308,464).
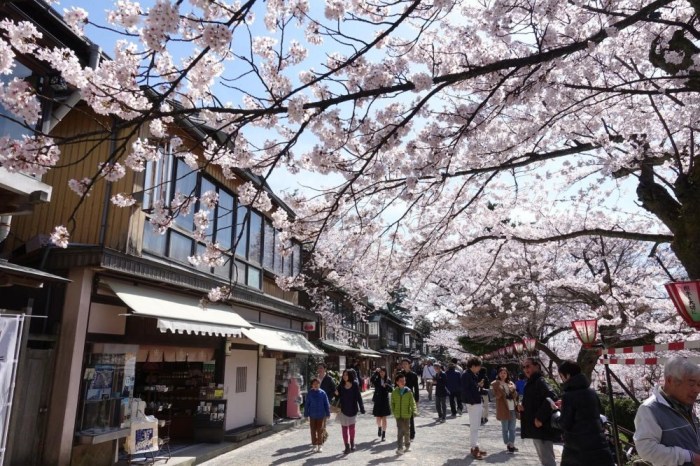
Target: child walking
(404,407)
(317,409)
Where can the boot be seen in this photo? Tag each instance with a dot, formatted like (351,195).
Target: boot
(379,431)
(383,435)
(352,445)
(347,448)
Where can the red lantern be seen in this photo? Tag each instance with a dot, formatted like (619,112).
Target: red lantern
(686,298)
(530,344)
(586,331)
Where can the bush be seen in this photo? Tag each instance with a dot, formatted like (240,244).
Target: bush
(625,410)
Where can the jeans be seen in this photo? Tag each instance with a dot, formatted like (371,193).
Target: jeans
(545,451)
(453,397)
(508,430)
(402,426)
(474,424)
(441,406)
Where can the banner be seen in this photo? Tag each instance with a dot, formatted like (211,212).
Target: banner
(10,336)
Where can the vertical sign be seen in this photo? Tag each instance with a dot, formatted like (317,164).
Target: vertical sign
(10,335)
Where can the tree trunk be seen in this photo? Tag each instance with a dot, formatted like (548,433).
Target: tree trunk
(587,359)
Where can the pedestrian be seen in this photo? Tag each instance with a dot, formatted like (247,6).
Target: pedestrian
(327,383)
(455,361)
(584,440)
(666,427)
(506,399)
(317,409)
(350,403)
(441,392)
(471,396)
(536,413)
(411,383)
(403,405)
(428,379)
(358,375)
(454,388)
(484,379)
(520,384)
(382,390)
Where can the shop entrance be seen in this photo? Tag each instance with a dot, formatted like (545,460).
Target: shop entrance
(240,376)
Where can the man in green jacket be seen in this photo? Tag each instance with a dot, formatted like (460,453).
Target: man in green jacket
(404,407)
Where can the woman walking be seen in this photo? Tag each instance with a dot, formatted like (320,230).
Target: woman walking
(382,389)
(584,440)
(350,403)
(506,399)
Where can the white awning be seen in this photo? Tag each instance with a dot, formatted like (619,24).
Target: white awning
(281,340)
(178,313)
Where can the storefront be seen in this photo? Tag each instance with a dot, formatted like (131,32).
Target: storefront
(161,348)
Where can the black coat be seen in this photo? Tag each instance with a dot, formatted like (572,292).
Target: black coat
(328,386)
(471,393)
(584,440)
(536,406)
(412,383)
(350,399)
(441,384)
(381,396)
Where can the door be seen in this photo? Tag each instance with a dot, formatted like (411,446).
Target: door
(240,378)
(29,408)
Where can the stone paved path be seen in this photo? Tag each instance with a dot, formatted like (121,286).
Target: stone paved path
(435,444)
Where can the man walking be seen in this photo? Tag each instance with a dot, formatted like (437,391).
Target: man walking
(454,387)
(536,413)
(471,395)
(667,432)
(428,379)
(327,384)
(441,392)
(412,383)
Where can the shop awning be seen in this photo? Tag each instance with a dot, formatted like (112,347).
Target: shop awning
(339,347)
(179,313)
(282,340)
(370,353)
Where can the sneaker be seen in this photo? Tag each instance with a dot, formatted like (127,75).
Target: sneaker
(399,451)
(319,449)
(314,448)
(407,449)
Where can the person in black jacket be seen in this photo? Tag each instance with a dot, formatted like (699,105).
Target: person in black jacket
(471,396)
(327,384)
(454,383)
(350,403)
(441,392)
(584,441)
(382,390)
(536,413)
(412,383)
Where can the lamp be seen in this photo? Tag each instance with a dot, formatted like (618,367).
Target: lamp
(530,344)
(686,298)
(518,347)
(586,331)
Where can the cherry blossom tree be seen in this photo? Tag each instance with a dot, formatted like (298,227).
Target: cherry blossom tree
(463,132)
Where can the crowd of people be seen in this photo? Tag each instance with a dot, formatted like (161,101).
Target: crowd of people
(667,429)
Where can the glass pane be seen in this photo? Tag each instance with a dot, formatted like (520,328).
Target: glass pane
(254,277)
(208,186)
(156,185)
(255,248)
(152,240)
(242,222)
(239,272)
(225,269)
(8,127)
(203,266)
(296,260)
(224,220)
(180,247)
(185,183)
(269,248)
(279,260)
(288,265)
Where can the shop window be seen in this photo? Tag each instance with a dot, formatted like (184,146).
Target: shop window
(254,277)
(180,247)
(156,185)
(186,185)
(242,221)
(255,242)
(224,220)
(241,379)
(269,246)
(7,126)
